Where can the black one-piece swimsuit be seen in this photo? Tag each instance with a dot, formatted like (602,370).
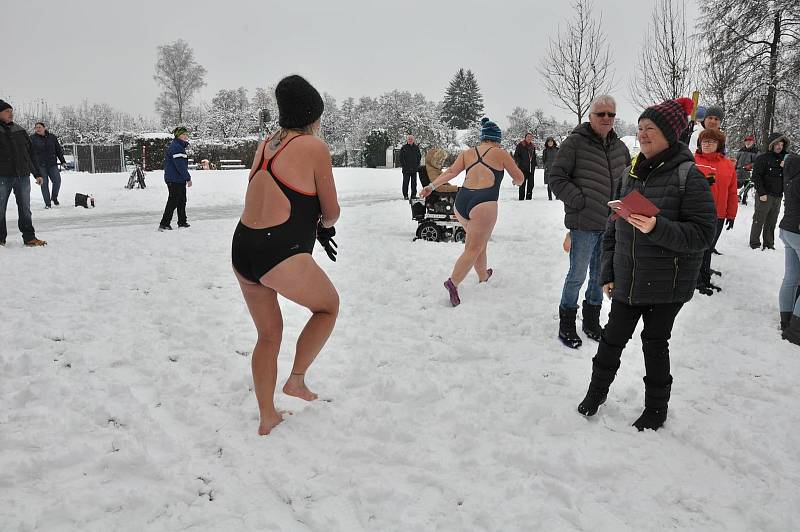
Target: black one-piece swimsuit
(254,252)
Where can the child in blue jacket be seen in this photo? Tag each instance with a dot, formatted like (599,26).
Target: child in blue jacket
(176,175)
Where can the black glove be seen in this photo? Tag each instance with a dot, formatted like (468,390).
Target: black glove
(325,237)
(711,179)
(729,224)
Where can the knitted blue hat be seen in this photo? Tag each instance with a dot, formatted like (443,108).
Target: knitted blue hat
(490,131)
(700,113)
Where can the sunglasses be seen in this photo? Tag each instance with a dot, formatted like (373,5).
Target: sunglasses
(603,114)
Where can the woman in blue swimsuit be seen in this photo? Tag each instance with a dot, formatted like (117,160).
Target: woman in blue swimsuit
(290,203)
(476,201)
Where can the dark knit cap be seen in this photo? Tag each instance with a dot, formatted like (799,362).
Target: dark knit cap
(715,111)
(178,131)
(670,117)
(490,131)
(4,105)
(299,104)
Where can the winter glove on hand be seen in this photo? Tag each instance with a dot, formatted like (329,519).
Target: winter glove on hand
(711,179)
(729,224)
(325,237)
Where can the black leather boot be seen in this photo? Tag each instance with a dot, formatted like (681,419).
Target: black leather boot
(792,332)
(591,321)
(566,328)
(656,399)
(786,317)
(602,377)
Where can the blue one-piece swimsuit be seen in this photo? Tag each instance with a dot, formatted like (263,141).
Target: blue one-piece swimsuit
(467,198)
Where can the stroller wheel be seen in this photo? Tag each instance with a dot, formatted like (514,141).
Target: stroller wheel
(460,235)
(429,231)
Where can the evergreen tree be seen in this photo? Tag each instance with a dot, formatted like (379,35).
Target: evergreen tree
(463,102)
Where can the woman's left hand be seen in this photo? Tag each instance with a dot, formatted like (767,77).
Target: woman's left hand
(645,224)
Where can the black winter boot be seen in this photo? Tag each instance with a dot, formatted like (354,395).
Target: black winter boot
(591,321)
(786,317)
(566,328)
(656,398)
(602,377)
(792,332)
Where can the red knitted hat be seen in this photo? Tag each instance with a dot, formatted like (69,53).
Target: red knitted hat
(670,117)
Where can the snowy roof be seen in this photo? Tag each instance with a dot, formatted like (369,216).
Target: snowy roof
(155,135)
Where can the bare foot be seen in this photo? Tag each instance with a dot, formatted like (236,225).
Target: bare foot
(269,422)
(295,386)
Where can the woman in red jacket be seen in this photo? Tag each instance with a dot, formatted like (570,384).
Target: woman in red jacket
(721,174)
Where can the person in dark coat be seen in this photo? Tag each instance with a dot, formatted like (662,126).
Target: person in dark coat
(49,152)
(582,176)
(525,157)
(17,162)
(176,175)
(651,264)
(745,158)
(768,180)
(409,159)
(548,158)
(789,233)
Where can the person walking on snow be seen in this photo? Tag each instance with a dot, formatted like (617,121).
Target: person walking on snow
(525,157)
(17,162)
(582,177)
(789,233)
(176,175)
(49,152)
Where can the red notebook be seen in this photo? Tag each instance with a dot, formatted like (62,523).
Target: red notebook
(633,203)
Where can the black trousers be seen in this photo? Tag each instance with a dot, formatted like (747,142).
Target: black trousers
(177,199)
(409,176)
(705,269)
(658,322)
(526,189)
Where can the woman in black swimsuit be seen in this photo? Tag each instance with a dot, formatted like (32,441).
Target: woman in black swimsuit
(290,203)
(476,201)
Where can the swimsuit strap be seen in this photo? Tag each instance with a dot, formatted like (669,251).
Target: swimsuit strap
(481,161)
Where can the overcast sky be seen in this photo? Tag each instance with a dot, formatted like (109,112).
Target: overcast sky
(64,52)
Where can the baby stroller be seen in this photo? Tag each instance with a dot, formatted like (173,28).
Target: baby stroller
(436,215)
(137,177)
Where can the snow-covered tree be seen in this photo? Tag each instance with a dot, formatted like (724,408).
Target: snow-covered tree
(180,77)
(463,102)
(230,115)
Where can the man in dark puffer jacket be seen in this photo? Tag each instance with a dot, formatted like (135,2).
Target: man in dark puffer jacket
(582,176)
(17,162)
(651,264)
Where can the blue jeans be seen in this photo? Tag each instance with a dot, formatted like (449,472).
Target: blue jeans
(21,186)
(585,252)
(787,297)
(54,175)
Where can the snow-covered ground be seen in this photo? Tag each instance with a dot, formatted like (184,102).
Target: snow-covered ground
(126,402)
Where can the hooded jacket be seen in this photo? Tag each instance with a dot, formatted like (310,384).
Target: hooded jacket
(176,163)
(582,176)
(767,169)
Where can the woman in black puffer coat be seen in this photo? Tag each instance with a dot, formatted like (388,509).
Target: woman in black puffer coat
(651,264)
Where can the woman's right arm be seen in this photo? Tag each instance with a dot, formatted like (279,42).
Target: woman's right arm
(326,187)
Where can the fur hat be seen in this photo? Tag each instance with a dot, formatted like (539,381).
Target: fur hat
(775,137)
(299,104)
(713,134)
(670,116)
(490,131)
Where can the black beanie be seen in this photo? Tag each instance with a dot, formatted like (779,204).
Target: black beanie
(299,104)
(4,105)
